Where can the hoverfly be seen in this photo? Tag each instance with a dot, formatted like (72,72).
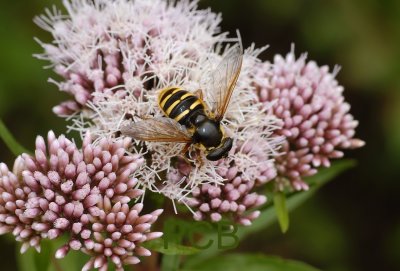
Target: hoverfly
(188,118)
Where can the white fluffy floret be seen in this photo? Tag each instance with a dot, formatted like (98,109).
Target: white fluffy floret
(115,57)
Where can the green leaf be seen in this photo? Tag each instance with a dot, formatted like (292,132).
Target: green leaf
(268,215)
(239,262)
(281,210)
(173,249)
(325,175)
(74,260)
(293,200)
(31,260)
(170,263)
(174,231)
(45,260)
(26,261)
(42,260)
(10,141)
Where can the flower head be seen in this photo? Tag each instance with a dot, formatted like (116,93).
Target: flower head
(116,234)
(116,67)
(67,183)
(14,196)
(316,119)
(82,192)
(107,47)
(248,167)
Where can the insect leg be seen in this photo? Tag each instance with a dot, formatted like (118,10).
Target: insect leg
(186,148)
(198,158)
(130,116)
(184,152)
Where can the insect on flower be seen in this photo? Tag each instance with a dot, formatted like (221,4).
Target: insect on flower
(189,120)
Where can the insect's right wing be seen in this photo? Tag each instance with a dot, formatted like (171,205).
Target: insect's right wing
(157,130)
(220,83)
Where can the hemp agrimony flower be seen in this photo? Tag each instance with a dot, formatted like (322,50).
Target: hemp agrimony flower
(116,67)
(284,120)
(107,47)
(246,169)
(14,197)
(317,124)
(83,193)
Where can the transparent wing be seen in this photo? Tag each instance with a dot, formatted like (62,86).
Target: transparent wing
(157,130)
(221,82)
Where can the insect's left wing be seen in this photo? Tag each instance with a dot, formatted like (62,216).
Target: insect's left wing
(157,130)
(221,81)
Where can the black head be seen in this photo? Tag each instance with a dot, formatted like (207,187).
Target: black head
(221,151)
(208,132)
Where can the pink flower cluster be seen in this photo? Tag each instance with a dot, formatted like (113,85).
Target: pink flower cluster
(105,47)
(237,199)
(317,124)
(115,56)
(82,192)
(287,118)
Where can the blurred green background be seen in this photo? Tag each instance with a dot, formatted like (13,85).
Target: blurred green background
(353,223)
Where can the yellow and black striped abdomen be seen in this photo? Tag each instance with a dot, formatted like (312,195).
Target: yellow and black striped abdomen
(179,104)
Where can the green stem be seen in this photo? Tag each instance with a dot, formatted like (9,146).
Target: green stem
(56,265)
(10,141)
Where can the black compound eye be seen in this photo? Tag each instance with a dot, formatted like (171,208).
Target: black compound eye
(222,151)
(199,119)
